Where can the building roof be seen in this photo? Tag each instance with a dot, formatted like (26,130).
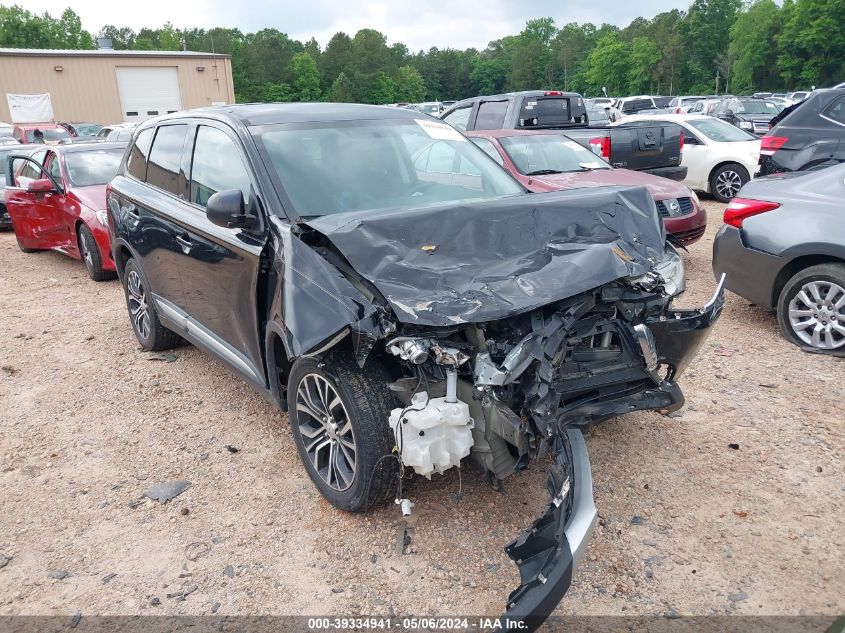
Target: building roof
(102,52)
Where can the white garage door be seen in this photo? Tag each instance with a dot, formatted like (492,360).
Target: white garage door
(148,92)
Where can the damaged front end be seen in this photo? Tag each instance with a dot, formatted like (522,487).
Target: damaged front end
(512,328)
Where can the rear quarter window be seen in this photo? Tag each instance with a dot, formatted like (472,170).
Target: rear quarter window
(163,168)
(544,111)
(836,111)
(491,115)
(136,164)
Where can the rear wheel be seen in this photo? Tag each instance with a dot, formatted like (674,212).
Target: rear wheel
(811,308)
(91,255)
(149,331)
(727,180)
(339,416)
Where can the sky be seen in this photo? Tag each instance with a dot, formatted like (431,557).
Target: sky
(419,24)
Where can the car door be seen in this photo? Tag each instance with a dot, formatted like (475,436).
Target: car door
(695,158)
(221,266)
(35,216)
(151,207)
(64,211)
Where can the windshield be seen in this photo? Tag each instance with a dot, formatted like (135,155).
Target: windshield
(96,167)
(340,166)
(539,154)
(52,133)
(597,114)
(87,129)
(429,108)
(721,131)
(757,107)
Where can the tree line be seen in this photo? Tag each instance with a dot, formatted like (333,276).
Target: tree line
(715,45)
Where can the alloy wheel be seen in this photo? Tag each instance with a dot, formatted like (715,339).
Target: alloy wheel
(138,310)
(87,257)
(326,431)
(817,314)
(728,183)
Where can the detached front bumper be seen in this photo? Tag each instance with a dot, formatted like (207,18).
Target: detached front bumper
(550,550)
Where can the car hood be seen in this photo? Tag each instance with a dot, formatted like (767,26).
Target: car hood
(93,197)
(483,261)
(660,188)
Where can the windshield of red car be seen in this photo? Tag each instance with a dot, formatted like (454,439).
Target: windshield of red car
(95,167)
(340,166)
(52,133)
(549,153)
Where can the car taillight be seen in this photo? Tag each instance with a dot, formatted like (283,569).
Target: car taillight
(741,208)
(682,140)
(553,93)
(601,146)
(770,144)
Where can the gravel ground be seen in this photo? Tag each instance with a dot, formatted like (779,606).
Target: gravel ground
(734,505)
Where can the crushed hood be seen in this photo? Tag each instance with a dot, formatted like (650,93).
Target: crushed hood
(483,261)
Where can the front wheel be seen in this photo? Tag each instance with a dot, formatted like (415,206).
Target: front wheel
(811,308)
(339,418)
(91,255)
(727,180)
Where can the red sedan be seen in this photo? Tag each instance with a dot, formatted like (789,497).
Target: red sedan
(549,161)
(58,202)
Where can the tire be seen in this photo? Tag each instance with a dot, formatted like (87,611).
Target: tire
(91,255)
(802,321)
(151,334)
(727,180)
(362,476)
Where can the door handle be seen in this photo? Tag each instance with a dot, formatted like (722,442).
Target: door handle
(184,242)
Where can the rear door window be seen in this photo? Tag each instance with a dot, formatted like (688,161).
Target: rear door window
(163,170)
(836,111)
(491,115)
(136,163)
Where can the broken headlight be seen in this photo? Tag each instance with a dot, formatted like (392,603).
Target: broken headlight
(671,270)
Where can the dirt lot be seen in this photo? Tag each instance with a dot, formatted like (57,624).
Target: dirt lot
(688,524)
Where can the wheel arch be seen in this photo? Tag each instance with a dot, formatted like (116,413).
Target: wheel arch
(795,266)
(721,164)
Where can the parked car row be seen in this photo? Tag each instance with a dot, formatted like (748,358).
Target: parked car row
(399,293)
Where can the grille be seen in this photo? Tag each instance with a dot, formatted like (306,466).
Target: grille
(690,236)
(684,207)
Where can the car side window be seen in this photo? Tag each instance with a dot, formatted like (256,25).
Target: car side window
(54,168)
(836,111)
(136,164)
(489,149)
(30,170)
(491,115)
(217,166)
(166,157)
(459,119)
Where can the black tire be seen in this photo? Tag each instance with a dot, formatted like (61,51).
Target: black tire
(727,180)
(154,337)
(91,255)
(825,275)
(366,404)
(26,250)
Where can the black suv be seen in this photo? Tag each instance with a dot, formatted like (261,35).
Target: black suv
(383,279)
(807,135)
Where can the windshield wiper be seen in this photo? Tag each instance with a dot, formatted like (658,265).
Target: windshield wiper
(543,172)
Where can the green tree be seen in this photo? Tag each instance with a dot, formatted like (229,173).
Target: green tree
(306,77)
(706,33)
(336,59)
(752,46)
(410,87)
(342,90)
(642,73)
(487,76)
(121,38)
(812,43)
(67,32)
(383,90)
(370,59)
(169,38)
(276,93)
(609,64)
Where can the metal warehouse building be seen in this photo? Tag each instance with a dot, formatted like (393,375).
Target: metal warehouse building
(108,86)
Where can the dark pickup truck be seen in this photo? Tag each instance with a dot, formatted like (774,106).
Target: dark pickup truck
(647,146)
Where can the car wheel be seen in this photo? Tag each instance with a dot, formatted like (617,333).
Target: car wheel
(339,417)
(91,255)
(149,331)
(727,180)
(811,308)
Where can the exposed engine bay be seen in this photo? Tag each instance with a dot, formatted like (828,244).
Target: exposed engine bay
(510,329)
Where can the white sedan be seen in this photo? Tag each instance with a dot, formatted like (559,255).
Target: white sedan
(719,157)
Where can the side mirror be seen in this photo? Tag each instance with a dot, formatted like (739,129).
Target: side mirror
(729,112)
(42,185)
(227,208)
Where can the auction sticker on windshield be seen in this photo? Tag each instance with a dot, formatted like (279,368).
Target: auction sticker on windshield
(440,131)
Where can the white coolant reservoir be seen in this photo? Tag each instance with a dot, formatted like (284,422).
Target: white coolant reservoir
(433,436)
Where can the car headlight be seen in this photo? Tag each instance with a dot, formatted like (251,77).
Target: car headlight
(671,269)
(746,125)
(695,199)
(102,216)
